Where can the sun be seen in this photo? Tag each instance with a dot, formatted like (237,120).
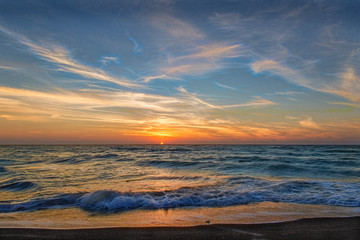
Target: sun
(161,143)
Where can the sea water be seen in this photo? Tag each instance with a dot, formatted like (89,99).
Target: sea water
(221,182)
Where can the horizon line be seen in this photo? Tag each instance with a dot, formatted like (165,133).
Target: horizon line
(173,144)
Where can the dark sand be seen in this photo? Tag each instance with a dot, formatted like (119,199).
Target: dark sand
(315,228)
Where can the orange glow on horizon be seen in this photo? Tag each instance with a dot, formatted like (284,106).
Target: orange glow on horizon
(56,130)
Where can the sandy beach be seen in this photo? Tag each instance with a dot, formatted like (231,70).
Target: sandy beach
(313,228)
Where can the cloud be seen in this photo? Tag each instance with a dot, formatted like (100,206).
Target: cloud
(202,59)
(177,28)
(225,86)
(91,106)
(269,65)
(63,61)
(348,86)
(137,48)
(255,103)
(187,49)
(147,79)
(109,59)
(286,93)
(110,106)
(291,117)
(92,99)
(228,21)
(139,114)
(346,104)
(214,51)
(309,123)
(274,67)
(117,106)
(316,59)
(8,68)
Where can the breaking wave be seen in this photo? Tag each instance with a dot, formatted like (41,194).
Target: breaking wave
(246,190)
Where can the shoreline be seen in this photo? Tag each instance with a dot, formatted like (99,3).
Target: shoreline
(259,213)
(301,229)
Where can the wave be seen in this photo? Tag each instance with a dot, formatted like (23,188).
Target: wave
(282,167)
(341,151)
(170,149)
(124,159)
(63,201)
(17,186)
(75,160)
(248,158)
(84,158)
(5,161)
(174,163)
(108,155)
(180,149)
(183,178)
(251,191)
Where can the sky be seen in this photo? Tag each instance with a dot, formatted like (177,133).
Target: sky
(180,71)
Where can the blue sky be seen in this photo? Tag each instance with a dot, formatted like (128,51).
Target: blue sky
(180,71)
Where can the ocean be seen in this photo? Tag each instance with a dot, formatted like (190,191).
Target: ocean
(69,186)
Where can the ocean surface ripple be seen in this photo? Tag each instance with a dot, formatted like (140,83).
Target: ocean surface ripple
(115,178)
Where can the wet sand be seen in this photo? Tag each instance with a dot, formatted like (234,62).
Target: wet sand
(313,228)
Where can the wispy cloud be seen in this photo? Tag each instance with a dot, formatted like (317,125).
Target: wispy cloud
(258,101)
(63,61)
(137,48)
(176,27)
(188,50)
(109,59)
(148,79)
(274,46)
(346,104)
(151,115)
(110,105)
(274,67)
(141,114)
(225,86)
(309,123)
(286,93)
(8,68)
(202,59)
(348,86)
(94,103)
